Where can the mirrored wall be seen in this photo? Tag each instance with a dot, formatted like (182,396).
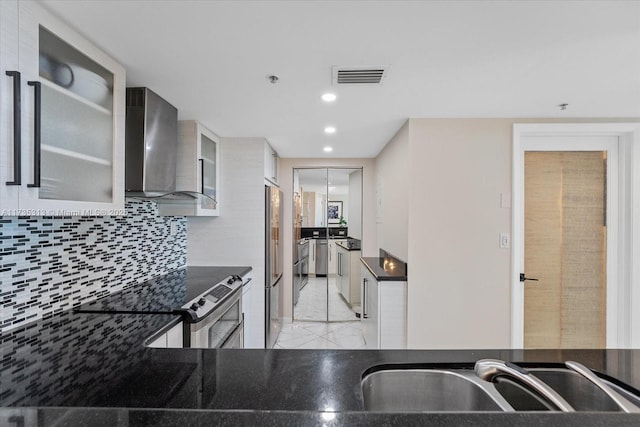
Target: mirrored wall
(327,244)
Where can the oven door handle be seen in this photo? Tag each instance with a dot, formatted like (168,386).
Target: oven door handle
(238,330)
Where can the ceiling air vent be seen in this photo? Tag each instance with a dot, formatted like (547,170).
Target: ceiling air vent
(358,75)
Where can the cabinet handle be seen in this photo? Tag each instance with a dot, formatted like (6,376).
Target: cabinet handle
(275,165)
(365,299)
(17,141)
(37,152)
(201,175)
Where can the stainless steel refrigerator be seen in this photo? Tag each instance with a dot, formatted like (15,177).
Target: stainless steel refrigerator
(273,264)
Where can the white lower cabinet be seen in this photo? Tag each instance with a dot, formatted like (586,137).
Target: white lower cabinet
(333,256)
(175,336)
(384,311)
(169,338)
(348,274)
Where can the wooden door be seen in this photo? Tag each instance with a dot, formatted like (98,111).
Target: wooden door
(565,249)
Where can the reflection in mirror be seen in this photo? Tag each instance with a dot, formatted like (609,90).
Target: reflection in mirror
(344,215)
(327,234)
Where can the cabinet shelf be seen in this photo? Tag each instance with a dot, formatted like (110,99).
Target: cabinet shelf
(75,155)
(74,96)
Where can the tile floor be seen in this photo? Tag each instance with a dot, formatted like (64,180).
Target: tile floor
(320,335)
(311,330)
(312,304)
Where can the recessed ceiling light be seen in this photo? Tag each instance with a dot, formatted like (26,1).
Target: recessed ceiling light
(329,130)
(328,149)
(329,97)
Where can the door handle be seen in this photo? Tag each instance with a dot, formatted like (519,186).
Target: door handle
(201,161)
(37,151)
(523,278)
(365,299)
(17,134)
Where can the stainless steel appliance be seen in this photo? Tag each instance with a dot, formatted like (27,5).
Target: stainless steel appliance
(273,264)
(214,318)
(303,265)
(322,257)
(151,140)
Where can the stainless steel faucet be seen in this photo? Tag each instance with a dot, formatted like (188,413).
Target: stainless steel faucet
(490,369)
(623,403)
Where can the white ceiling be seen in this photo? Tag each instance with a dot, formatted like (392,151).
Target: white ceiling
(211,60)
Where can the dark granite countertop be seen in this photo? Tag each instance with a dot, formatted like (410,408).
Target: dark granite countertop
(75,366)
(384,270)
(134,417)
(350,245)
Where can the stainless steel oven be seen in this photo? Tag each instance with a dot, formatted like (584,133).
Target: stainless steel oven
(215,318)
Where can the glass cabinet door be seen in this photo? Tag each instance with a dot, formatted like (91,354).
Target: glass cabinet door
(209,166)
(73,113)
(76,124)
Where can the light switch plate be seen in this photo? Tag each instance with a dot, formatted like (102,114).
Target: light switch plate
(505,241)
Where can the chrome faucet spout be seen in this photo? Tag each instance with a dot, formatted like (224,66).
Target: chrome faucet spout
(490,369)
(623,403)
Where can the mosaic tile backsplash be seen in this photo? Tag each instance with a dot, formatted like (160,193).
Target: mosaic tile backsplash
(51,264)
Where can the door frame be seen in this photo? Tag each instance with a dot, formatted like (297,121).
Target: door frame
(623,240)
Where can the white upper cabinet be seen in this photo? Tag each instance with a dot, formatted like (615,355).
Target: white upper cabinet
(198,168)
(69,159)
(270,164)
(9,174)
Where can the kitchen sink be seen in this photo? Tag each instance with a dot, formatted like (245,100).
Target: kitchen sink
(408,389)
(578,391)
(411,390)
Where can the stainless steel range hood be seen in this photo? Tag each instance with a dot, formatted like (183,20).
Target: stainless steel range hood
(151,142)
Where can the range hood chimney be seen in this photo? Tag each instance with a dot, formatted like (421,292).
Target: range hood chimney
(151,142)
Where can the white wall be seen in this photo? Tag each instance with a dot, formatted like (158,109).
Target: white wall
(459,278)
(446,179)
(355,207)
(285,179)
(392,192)
(237,236)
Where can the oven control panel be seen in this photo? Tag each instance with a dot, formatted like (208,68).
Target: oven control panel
(205,303)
